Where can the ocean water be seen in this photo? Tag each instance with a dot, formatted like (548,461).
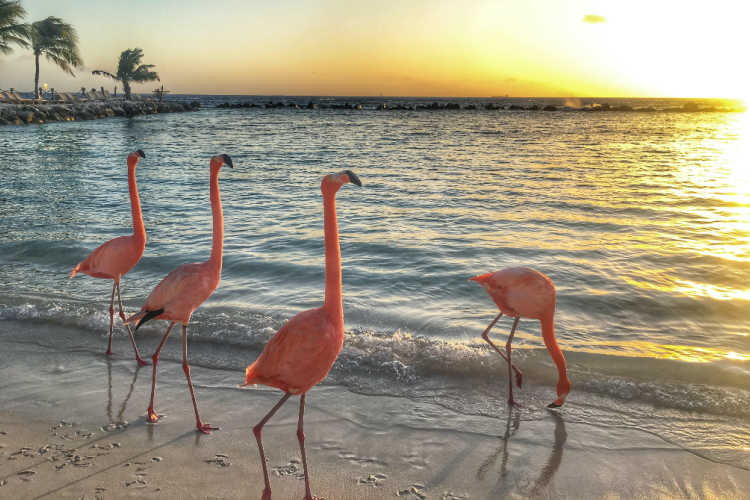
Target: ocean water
(641,219)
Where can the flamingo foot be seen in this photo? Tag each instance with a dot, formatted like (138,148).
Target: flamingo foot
(512,403)
(151,415)
(109,352)
(266,494)
(308,497)
(206,429)
(519,379)
(141,362)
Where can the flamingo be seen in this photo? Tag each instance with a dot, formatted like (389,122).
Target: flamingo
(183,290)
(522,292)
(113,259)
(302,352)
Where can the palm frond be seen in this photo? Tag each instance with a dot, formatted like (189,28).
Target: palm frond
(58,41)
(11,31)
(104,73)
(142,74)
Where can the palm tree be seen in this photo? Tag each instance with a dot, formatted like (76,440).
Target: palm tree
(130,69)
(58,41)
(11,31)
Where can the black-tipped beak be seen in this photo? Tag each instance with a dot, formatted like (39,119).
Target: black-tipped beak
(228,160)
(141,153)
(353,178)
(553,405)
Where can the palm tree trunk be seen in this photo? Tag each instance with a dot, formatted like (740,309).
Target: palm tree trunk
(126,88)
(36,76)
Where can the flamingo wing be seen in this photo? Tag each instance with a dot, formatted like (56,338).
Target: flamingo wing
(111,259)
(299,355)
(522,291)
(184,289)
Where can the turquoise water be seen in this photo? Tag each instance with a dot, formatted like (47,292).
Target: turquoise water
(642,220)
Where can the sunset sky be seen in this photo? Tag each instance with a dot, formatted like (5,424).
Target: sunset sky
(408,48)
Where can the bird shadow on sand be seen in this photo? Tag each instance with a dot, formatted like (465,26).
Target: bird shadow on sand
(551,465)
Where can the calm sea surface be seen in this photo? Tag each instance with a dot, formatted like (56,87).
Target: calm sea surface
(641,219)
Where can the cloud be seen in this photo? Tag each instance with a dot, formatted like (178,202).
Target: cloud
(594,19)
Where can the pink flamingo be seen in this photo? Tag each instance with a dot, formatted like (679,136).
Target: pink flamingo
(302,352)
(183,290)
(113,259)
(521,292)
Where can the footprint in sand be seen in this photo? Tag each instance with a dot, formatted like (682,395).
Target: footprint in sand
(373,480)
(416,490)
(292,469)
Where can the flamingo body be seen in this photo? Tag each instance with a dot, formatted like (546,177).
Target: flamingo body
(181,292)
(522,292)
(303,351)
(113,259)
(300,354)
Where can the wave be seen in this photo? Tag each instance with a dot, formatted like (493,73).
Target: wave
(397,362)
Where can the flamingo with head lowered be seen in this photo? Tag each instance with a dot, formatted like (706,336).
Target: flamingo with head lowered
(302,352)
(522,292)
(113,259)
(183,290)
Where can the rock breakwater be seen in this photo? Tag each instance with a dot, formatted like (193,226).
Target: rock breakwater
(23,114)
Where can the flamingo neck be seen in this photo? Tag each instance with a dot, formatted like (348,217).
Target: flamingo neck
(548,334)
(218,222)
(333,300)
(139,231)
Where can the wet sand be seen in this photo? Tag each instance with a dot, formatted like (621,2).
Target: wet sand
(72,425)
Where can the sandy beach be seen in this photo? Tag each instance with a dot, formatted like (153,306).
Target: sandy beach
(72,426)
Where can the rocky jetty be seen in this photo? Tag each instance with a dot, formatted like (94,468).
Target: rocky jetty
(22,114)
(688,107)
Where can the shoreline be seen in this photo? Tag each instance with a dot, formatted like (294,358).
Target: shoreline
(26,114)
(72,424)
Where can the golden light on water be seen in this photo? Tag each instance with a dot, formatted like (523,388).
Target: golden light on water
(641,348)
(673,285)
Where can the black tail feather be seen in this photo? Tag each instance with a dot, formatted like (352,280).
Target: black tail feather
(149,315)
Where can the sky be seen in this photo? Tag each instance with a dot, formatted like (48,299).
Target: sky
(475,48)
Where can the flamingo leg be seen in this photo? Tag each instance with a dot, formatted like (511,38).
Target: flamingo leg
(151,415)
(204,428)
(301,438)
(111,319)
(132,338)
(257,430)
(510,364)
(486,337)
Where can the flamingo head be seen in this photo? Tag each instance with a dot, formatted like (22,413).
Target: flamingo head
(219,160)
(133,157)
(333,182)
(563,388)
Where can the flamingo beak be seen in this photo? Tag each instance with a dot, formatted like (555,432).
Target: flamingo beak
(353,178)
(228,160)
(141,153)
